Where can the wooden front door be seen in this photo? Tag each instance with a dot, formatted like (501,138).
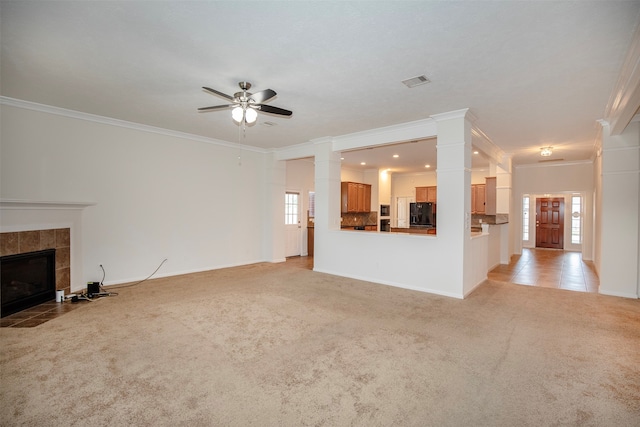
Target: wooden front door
(550,222)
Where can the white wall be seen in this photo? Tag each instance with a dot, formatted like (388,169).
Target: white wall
(404,185)
(351,175)
(158,196)
(478,176)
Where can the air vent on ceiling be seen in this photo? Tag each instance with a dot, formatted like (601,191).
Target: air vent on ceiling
(416,81)
(268,124)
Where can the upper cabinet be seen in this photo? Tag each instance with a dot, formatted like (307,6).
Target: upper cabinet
(478,192)
(356,197)
(426,194)
(483,197)
(490,196)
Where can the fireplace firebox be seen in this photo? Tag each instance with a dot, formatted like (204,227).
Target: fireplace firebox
(27,279)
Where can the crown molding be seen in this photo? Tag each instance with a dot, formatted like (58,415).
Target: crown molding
(625,98)
(79,115)
(403,132)
(550,164)
(483,143)
(457,114)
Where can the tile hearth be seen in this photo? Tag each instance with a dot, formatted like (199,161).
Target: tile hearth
(34,316)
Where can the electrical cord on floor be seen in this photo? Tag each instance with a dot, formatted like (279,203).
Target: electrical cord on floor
(143,280)
(102,289)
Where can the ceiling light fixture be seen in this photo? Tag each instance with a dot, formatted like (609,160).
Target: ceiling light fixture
(246,105)
(243,112)
(546,151)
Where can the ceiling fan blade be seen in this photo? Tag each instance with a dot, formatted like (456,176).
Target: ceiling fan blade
(263,96)
(217,107)
(273,110)
(215,92)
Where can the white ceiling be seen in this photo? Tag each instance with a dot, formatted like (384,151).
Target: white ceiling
(533,73)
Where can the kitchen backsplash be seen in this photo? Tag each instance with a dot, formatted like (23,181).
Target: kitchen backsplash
(357,219)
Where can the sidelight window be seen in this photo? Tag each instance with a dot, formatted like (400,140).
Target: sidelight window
(576,217)
(312,204)
(525,218)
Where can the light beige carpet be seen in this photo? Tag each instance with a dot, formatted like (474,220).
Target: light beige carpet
(277,345)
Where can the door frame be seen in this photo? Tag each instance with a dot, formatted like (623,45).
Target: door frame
(588,223)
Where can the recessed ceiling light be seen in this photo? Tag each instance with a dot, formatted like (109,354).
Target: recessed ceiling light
(341,158)
(395,156)
(416,81)
(475,152)
(427,166)
(363,163)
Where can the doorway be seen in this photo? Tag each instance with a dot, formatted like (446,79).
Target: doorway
(292,224)
(402,212)
(550,222)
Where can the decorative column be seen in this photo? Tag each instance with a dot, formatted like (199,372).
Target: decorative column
(504,203)
(454,193)
(274,232)
(620,212)
(327,189)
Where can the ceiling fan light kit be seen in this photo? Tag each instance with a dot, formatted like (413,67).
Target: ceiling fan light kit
(245,104)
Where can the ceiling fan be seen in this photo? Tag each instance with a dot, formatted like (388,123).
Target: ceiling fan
(246,104)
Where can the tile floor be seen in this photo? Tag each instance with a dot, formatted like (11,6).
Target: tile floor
(549,268)
(39,314)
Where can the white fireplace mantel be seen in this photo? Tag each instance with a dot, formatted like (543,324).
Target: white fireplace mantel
(40,204)
(31,215)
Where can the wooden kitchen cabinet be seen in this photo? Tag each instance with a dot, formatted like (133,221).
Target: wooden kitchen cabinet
(478,198)
(483,197)
(356,197)
(421,194)
(426,194)
(432,194)
(310,240)
(490,196)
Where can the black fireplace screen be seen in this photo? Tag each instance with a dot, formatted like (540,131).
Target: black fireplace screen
(28,279)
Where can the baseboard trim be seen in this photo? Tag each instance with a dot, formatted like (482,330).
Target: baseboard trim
(617,294)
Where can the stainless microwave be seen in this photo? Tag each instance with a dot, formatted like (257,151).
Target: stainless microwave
(385,210)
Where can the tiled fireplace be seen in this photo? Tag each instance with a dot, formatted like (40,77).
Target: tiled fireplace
(20,242)
(27,226)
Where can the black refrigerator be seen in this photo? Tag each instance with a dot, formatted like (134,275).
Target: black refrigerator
(422,214)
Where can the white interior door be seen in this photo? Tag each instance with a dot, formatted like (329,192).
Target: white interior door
(292,224)
(402,211)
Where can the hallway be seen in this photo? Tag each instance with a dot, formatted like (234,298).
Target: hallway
(549,268)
